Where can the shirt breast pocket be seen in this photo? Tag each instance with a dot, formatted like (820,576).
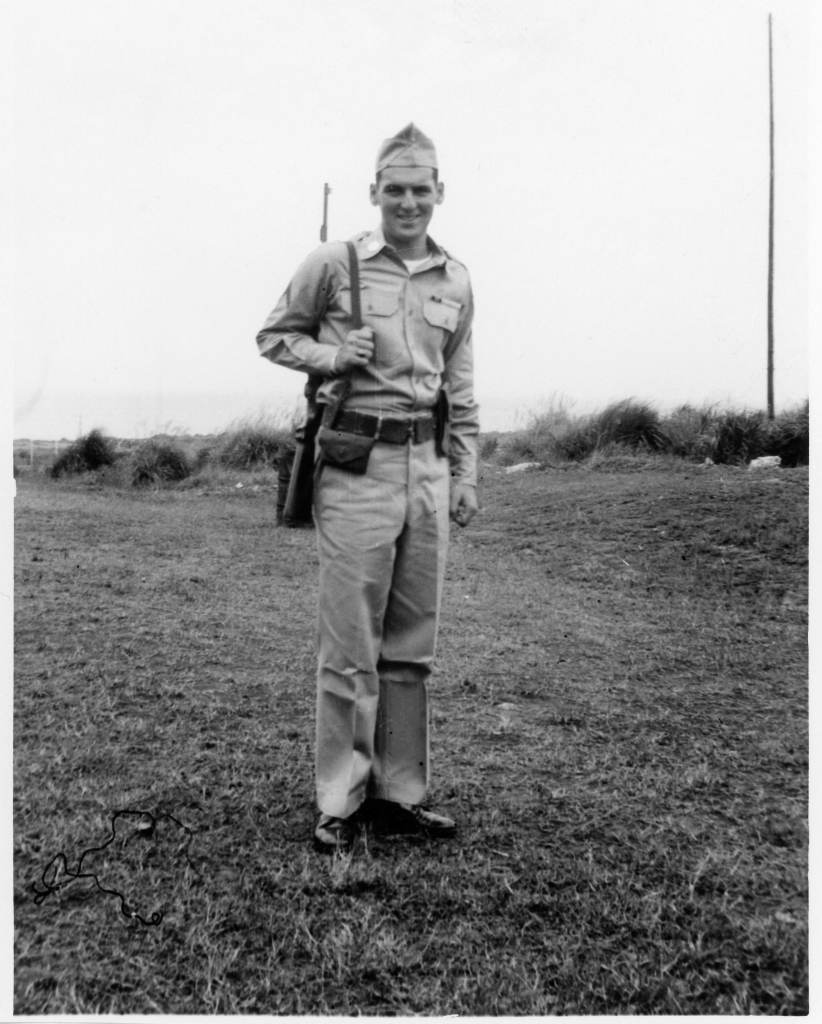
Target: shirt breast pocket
(378,309)
(441,312)
(377,303)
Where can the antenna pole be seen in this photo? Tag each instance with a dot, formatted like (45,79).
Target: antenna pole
(770,228)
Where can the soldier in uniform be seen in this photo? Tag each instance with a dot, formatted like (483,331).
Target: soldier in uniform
(382,534)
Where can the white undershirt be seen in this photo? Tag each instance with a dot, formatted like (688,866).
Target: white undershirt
(413,264)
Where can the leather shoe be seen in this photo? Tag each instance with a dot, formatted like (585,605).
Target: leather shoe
(333,834)
(412,818)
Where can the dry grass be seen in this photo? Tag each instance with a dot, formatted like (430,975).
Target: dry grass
(726,436)
(251,445)
(619,725)
(159,462)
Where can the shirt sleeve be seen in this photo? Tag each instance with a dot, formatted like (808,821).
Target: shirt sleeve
(458,377)
(289,335)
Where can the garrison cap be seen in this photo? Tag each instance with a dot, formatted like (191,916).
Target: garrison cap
(408,148)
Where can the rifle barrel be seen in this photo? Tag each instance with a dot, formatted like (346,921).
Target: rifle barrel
(324,228)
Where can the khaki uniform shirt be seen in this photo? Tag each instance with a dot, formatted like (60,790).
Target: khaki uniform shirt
(422,334)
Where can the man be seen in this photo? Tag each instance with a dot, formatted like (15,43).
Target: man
(382,534)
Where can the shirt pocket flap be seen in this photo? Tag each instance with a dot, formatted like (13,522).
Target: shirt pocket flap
(375,303)
(441,313)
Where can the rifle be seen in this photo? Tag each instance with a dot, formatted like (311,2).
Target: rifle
(300,497)
(294,499)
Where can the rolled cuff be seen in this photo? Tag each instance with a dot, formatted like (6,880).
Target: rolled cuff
(299,353)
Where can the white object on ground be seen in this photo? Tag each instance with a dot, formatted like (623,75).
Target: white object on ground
(765,462)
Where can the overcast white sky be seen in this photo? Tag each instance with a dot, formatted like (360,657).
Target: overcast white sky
(606,174)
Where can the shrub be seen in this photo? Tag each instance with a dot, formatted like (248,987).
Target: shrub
(159,462)
(86,453)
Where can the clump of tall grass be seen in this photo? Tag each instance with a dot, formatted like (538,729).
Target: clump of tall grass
(251,445)
(690,431)
(631,424)
(558,435)
(625,424)
(734,437)
(577,442)
(731,436)
(156,462)
(739,436)
(90,452)
(537,441)
(788,436)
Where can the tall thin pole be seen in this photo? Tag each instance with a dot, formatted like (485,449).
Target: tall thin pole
(770,228)
(324,228)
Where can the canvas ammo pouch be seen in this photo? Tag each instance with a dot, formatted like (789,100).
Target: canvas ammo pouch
(344,450)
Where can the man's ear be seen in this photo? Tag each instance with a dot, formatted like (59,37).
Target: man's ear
(372,192)
(440,191)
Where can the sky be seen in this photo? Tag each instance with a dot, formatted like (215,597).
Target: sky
(606,182)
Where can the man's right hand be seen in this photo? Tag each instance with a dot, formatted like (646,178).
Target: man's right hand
(356,350)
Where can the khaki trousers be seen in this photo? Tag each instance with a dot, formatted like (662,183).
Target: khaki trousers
(382,540)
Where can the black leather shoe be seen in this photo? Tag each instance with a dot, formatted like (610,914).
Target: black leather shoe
(333,834)
(411,819)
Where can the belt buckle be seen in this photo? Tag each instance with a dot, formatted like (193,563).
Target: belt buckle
(419,434)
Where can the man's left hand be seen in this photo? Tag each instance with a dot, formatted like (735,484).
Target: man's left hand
(464,504)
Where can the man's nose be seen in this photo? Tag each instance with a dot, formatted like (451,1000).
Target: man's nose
(407,199)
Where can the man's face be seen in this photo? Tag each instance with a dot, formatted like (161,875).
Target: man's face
(407,197)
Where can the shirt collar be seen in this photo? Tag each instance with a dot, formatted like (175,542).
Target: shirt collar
(373,243)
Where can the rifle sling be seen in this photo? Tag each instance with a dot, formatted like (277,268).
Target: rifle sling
(354,277)
(331,411)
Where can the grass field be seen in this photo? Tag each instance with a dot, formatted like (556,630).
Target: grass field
(619,725)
